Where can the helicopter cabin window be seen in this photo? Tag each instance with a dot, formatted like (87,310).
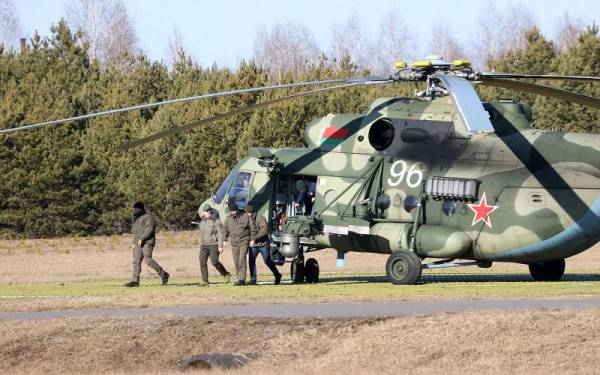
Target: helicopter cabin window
(220,194)
(240,191)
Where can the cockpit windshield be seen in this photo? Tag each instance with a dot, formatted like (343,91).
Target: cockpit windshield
(240,191)
(220,194)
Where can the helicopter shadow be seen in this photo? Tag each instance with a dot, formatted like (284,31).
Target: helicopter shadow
(460,278)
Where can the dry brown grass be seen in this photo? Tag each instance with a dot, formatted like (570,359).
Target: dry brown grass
(492,342)
(98,258)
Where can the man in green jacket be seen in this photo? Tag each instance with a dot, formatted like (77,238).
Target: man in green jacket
(144,239)
(239,230)
(261,245)
(211,243)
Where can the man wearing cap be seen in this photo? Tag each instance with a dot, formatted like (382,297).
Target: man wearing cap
(261,245)
(144,239)
(211,243)
(239,230)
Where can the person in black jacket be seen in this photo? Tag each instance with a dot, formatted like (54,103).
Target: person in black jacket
(144,239)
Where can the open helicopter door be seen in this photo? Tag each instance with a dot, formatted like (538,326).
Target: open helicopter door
(286,194)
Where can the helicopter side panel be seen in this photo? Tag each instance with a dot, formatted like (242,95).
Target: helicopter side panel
(577,238)
(553,192)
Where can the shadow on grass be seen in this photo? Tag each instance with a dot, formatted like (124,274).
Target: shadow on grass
(458,278)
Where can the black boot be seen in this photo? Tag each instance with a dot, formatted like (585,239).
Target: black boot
(132,284)
(278,279)
(164,277)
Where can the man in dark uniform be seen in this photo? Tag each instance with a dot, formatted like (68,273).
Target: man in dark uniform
(261,245)
(211,243)
(307,191)
(144,239)
(239,230)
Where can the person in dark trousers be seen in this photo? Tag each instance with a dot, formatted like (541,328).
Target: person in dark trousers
(239,230)
(261,245)
(307,191)
(144,239)
(211,243)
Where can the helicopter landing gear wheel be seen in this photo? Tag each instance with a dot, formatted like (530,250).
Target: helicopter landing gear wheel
(311,271)
(547,271)
(403,268)
(297,271)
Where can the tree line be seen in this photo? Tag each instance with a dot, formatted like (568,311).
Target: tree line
(69,179)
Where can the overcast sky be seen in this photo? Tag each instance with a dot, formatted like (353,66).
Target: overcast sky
(223,31)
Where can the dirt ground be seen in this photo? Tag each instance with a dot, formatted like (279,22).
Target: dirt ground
(538,342)
(109,257)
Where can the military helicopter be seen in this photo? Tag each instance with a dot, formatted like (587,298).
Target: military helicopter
(437,176)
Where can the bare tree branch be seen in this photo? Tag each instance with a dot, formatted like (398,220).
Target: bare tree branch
(568,30)
(286,47)
(394,43)
(349,39)
(107,28)
(175,45)
(444,44)
(10,27)
(500,30)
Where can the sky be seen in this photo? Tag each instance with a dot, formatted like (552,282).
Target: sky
(223,31)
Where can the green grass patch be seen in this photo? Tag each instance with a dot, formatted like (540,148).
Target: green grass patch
(333,287)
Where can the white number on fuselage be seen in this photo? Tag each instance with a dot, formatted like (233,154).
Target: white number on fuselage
(400,169)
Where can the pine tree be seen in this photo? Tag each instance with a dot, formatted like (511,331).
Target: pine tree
(46,187)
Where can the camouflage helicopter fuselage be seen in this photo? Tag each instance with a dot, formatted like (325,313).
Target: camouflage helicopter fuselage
(428,185)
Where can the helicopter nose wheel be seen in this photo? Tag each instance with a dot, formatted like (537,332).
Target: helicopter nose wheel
(547,271)
(305,272)
(311,271)
(403,268)
(297,271)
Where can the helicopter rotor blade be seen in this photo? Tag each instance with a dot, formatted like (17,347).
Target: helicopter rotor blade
(193,98)
(221,116)
(551,92)
(489,75)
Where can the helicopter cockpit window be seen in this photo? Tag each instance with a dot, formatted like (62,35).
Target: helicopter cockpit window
(240,191)
(220,194)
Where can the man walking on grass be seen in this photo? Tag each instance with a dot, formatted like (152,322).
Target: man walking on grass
(239,230)
(144,239)
(211,243)
(261,246)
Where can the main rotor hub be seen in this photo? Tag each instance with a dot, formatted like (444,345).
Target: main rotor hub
(429,70)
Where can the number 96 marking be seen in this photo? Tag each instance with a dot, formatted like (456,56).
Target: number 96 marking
(413,174)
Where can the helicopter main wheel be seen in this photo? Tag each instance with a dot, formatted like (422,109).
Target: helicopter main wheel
(547,271)
(311,271)
(403,268)
(297,271)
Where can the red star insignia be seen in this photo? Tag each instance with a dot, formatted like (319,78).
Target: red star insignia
(482,211)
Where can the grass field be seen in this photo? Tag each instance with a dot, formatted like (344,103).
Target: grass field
(89,272)
(109,293)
